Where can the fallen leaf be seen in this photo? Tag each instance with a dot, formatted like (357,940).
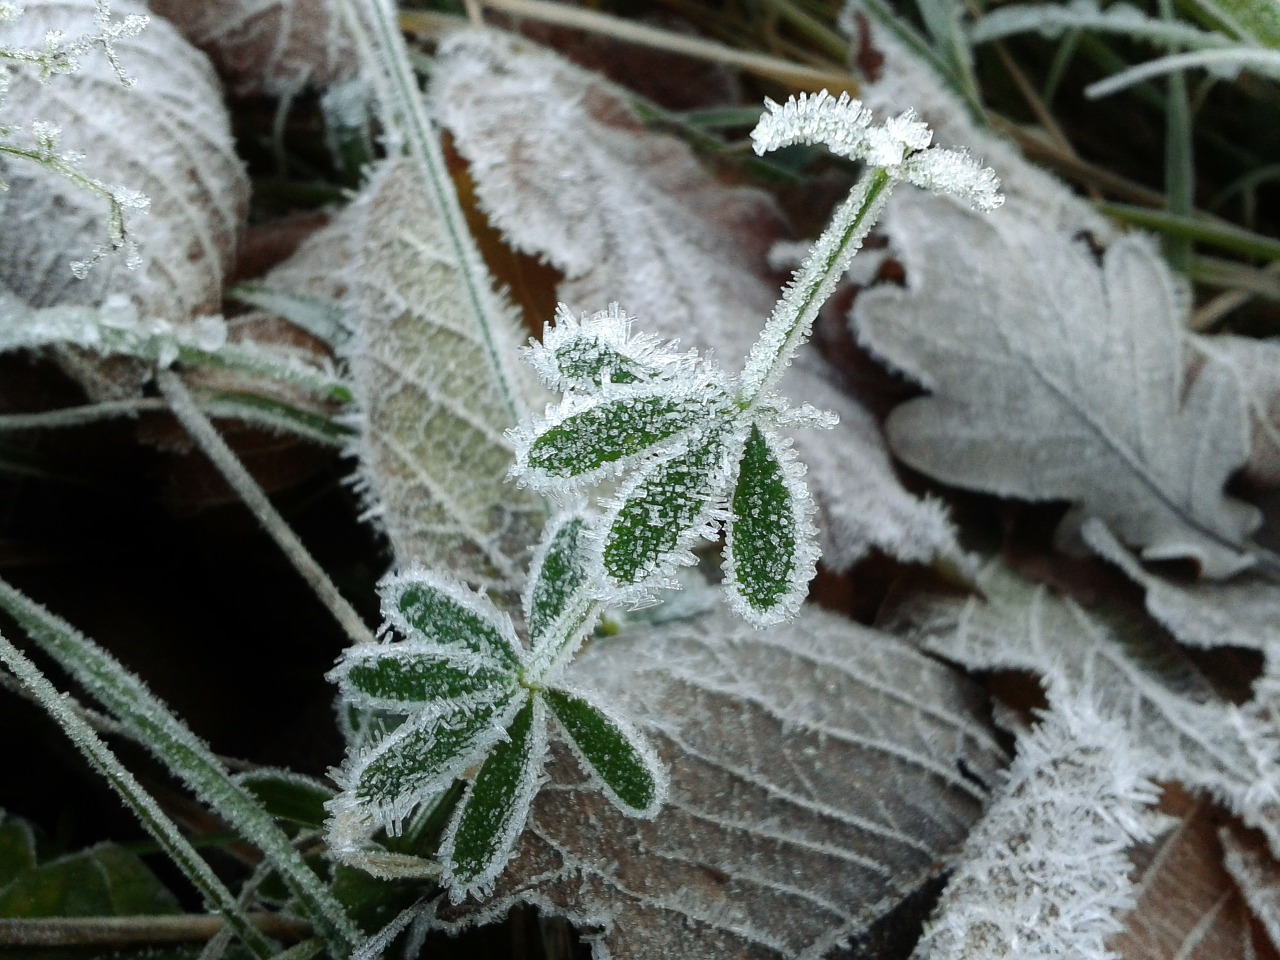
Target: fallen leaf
(1257,875)
(1256,366)
(433,406)
(276,47)
(168,137)
(564,168)
(820,771)
(1187,905)
(1180,730)
(1052,377)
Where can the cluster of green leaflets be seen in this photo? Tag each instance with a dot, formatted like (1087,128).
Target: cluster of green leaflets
(473,695)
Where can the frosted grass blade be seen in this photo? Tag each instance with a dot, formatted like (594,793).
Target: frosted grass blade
(182,752)
(162,829)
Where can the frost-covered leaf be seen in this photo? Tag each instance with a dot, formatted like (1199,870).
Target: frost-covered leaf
(1187,906)
(821,771)
(1044,873)
(404,677)
(423,756)
(168,137)
(268,46)
(431,607)
(1241,612)
(1256,366)
(1053,377)
(1179,730)
(477,843)
(559,572)
(662,511)
(629,216)
(620,758)
(770,555)
(287,795)
(436,393)
(584,438)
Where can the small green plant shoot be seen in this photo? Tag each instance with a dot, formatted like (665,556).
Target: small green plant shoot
(696,450)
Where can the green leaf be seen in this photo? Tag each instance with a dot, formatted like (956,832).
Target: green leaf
(617,755)
(401,677)
(770,551)
(556,575)
(483,831)
(422,757)
(596,435)
(662,511)
(17,847)
(288,796)
(439,610)
(104,881)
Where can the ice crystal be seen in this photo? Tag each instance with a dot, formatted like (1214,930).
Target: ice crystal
(473,694)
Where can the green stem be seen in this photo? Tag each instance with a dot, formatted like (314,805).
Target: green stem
(793,317)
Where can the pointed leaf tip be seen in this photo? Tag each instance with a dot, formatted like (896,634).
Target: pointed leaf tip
(615,753)
(770,551)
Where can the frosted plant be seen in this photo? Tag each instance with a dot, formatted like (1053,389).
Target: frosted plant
(61,55)
(472,693)
(695,448)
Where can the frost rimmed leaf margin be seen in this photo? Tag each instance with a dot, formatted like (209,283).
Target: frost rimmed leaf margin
(700,450)
(474,695)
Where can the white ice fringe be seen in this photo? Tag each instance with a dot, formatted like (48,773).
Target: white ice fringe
(901,145)
(1044,874)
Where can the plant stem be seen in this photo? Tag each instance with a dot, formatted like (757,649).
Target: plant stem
(215,448)
(132,931)
(792,320)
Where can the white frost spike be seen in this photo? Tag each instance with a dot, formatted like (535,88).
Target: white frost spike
(1044,874)
(572,342)
(900,145)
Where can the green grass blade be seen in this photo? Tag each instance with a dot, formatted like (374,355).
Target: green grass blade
(161,828)
(172,742)
(1223,236)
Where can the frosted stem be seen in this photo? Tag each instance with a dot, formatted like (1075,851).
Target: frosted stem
(117,932)
(376,28)
(79,416)
(793,316)
(215,448)
(163,830)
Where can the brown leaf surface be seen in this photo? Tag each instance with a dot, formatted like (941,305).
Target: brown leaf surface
(821,772)
(1188,907)
(268,46)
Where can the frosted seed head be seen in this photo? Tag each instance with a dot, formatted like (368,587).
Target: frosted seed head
(839,123)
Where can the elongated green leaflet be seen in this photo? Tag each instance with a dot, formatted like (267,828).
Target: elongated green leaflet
(557,576)
(289,796)
(402,677)
(423,757)
(611,431)
(479,839)
(662,512)
(616,755)
(588,360)
(763,540)
(443,612)
(182,752)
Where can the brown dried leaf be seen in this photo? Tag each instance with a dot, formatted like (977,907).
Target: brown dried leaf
(168,137)
(1188,907)
(268,46)
(563,167)
(1257,874)
(821,772)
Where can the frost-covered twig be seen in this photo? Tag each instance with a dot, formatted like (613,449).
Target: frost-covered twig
(61,56)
